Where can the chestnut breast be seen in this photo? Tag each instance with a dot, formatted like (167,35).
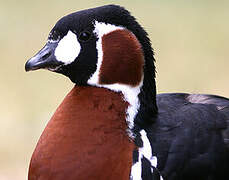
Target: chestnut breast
(85,139)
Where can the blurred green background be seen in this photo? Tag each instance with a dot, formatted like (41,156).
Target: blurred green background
(190,39)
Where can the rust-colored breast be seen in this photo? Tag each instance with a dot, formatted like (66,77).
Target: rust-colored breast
(85,139)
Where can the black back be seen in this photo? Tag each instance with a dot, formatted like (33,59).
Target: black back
(190,136)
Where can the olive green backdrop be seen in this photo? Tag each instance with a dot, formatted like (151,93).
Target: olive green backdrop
(190,38)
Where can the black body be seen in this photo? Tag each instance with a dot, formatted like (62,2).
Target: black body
(190,137)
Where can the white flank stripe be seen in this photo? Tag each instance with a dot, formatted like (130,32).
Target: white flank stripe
(145,150)
(136,169)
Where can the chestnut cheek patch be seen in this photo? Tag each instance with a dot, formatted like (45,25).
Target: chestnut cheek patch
(123,59)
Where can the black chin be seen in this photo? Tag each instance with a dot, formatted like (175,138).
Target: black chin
(76,73)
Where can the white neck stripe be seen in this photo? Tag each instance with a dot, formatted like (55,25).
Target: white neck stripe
(130,93)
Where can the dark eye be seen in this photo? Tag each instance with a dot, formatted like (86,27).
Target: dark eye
(84,36)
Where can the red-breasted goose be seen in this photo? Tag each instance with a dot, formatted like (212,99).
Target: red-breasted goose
(112,125)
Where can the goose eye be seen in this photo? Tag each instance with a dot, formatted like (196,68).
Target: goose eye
(84,36)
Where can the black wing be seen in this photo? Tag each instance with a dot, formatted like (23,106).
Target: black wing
(221,103)
(190,136)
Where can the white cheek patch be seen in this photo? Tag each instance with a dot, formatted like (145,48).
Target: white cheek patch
(68,48)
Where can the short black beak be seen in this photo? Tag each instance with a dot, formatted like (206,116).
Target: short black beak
(44,59)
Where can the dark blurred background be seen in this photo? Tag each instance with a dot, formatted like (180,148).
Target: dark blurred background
(190,39)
